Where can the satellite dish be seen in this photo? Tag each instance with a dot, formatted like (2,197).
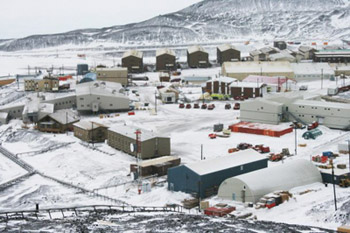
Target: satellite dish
(132,147)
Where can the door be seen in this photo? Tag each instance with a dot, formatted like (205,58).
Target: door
(233,196)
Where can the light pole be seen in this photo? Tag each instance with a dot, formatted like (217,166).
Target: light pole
(296,137)
(155,100)
(138,155)
(92,133)
(321,78)
(335,196)
(349,152)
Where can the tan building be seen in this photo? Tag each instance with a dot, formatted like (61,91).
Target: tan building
(58,122)
(197,57)
(158,166)
(116,74)
(165,60)
(226,53)
(45,84)
(133,60)
(241,70)
(124,138)
(89,131)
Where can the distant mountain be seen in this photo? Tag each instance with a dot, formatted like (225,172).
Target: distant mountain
(213,20)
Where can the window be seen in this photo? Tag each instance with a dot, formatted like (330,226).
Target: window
(82,105)
(242,168)
(110,105)
(81,98)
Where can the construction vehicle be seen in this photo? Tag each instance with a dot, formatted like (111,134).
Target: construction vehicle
(344,182)
(271,200)
(298,125)
(276,157)
(244,146)
(262,149)
(313,125)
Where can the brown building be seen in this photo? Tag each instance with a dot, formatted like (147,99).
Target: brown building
(58,122)
(226,53)
(158,166)
(165,60)
(133,60)
(197,57)
(124,138)
(219,86)
(164,77)
(116,74)
(89,131)
(248,90)
(45,84)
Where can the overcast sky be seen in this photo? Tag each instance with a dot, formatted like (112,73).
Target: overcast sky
(19,18)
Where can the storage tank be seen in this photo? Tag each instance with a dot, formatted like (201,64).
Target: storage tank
(82,69)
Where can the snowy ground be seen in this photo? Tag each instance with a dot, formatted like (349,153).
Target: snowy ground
(188,129)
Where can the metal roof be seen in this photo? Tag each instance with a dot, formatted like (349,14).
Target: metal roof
(258,67)
(156,161)
(195,48)
(222,163)
(89,125)
(65,116)
(322,104)
(196,78)
(305,48)
(266,79)
(247,84)
(223,79)
(312,68)
(102,88)
(226,47)
(165,51)
(134,53)
(129,131)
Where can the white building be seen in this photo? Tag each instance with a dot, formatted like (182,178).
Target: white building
(168,95)
(101,96)
(261,111)
(252,186)
(312,71)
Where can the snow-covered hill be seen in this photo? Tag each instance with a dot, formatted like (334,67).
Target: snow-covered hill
(214,20)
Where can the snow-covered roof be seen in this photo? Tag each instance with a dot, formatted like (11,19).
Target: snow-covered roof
(34,106)
(88,125)
(195,48)
(129,131)
(322,104)
(247,84)
(65,116)
(226,47)
(305,48)
(196,78)
(102,88)
(156,161)
(264,181)
(266,79)
(278,56)
(223,79)
(333,52)
(134,53)
(121,69)
(221,163)
(255,52)
(165,51)
(3,115)
(257,67)
(312,68)
(267,50)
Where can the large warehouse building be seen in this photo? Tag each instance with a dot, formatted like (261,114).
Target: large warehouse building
(165,60)
(312,71)
(197,57)
(254,185)
(101,97)
(296,108)
(115,74)
(152,146)
(204,177)
(227,53)
(133,60)
(241,70)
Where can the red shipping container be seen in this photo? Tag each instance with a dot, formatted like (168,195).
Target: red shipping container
(220,212)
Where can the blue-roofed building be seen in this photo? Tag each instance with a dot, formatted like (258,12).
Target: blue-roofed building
(203,178)
(89,77)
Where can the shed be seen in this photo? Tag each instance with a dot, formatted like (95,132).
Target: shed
(252,186)
(133,60)
(90,131)
(197,57)
(157,166)
(204,177)
(165,59)
(226,53)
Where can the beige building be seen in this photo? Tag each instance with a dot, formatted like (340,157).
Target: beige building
(45,84)
(116,74)
(89,131)
(241,70)
(124,138)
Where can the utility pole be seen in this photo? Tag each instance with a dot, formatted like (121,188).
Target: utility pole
(138,155)
(335,196)
(201,151)
(321,78)
(155,100)
(67,122)
(296,137)
(92,133)
(349,152)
